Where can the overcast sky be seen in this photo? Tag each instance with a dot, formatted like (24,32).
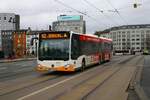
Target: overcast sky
(38,14)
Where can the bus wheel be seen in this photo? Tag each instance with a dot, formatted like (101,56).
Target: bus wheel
(83,65)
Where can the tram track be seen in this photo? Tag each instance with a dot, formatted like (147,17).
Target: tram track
(11,76)
(85,97)
(92,70)
(125,61)
(76,85)
(103,67)
(31,82)
(35,84)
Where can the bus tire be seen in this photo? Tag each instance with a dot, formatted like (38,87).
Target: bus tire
(83,65)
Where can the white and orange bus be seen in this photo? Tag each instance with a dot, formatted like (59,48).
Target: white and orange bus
(69,51)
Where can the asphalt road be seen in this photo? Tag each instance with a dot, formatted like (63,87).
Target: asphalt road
(9,70)
(25,84)
(145,81)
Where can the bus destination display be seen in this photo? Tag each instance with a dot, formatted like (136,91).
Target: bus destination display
(54,35)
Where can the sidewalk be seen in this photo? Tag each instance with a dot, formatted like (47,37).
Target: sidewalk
(145,78)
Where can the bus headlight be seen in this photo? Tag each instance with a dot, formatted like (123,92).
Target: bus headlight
(39,65)
(68,65)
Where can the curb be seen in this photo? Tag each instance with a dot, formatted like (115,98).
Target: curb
(135,83)
(138,88)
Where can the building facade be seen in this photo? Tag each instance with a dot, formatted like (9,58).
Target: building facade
(73,23)
(13,43)
(31,50)
(129,37)
(7,43)
(8,21)
(19,43)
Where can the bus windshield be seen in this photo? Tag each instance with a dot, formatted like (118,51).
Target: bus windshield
(54,49)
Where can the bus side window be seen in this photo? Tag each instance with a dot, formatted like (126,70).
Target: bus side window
(100,47)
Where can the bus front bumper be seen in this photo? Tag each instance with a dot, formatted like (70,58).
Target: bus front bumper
(69,68)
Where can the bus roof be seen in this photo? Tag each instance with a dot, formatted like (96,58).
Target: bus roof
(107,39)
(86,35)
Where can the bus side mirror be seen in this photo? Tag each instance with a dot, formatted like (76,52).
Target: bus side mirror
(32,40)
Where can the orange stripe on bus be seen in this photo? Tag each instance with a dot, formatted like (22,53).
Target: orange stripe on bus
(61,68)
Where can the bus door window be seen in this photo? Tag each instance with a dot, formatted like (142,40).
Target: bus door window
(75,47)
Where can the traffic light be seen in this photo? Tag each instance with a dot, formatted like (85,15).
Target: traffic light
(135,5)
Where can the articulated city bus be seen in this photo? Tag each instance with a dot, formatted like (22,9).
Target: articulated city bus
(69,51)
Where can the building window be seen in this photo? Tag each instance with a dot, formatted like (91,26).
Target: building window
(148,31)
(142,31)
(137,43)
(10,20)
(123,39)
(19,35)
(133,43)
(123,48)
(28,40)
(128,31)
(28,45)
(4,18)
(28,36)
(123,35)
(123,43)
(76,28)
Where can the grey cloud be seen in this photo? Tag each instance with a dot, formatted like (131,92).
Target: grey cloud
(40,13)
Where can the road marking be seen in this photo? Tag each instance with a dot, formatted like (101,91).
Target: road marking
(53,85)
(48,87)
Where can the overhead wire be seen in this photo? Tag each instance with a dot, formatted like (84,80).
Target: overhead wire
(116,10)
(99,10)
(78,11)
